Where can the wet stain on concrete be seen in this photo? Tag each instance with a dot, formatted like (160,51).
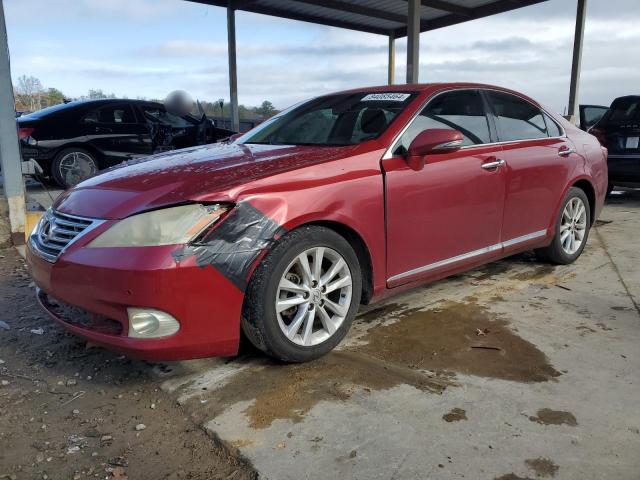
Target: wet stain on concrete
(546,416)
(455,415)
(290,391)
(419,348)
(445,339)
(542,466)
(534,273)
(492,269)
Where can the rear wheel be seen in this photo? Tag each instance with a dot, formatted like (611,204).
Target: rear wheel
(303,296)
(72,166)
(572,229)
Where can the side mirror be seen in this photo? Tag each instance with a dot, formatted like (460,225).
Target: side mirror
(432,140)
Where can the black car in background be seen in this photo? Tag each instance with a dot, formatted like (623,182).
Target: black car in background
(618,129)
(71,142)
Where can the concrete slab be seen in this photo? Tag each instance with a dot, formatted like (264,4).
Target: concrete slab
(538,376)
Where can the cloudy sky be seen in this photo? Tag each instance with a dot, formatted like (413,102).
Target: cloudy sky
(147,48)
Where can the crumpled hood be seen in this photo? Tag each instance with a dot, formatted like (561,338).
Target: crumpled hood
(184,175)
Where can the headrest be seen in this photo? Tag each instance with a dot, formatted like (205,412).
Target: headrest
(373,120)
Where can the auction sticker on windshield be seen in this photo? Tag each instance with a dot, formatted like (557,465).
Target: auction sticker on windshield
(393,97)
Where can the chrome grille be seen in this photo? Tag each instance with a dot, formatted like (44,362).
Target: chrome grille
(56,231)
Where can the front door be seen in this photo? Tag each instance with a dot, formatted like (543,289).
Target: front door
(114,131)
(449,214)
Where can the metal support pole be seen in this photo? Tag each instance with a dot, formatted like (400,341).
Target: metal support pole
(9,147)
(413,41)
(233,74)
(392,58)
(577,60)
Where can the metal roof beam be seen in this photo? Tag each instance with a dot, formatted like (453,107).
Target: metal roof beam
(357,9)
(302,17)
(448,7)
(478,12)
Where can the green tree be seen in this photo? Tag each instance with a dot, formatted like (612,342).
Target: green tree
(266,109)
(54,97)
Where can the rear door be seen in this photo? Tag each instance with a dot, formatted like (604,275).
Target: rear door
(538,159)
(449,214)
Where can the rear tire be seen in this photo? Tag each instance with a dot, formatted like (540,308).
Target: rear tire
(571,229)
(72,166)
(324,300)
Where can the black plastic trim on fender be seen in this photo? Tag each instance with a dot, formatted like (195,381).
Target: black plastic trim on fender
(235,244)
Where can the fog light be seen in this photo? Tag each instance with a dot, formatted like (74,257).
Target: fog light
(146,323)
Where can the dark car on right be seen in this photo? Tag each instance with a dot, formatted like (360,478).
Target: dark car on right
(619,131)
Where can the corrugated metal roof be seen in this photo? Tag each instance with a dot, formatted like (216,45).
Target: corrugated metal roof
(384,17)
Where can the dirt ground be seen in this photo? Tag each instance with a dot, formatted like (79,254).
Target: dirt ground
(68,411)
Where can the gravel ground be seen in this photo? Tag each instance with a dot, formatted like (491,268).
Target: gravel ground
(72,411)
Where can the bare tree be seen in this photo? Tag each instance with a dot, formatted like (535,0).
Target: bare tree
(30,92)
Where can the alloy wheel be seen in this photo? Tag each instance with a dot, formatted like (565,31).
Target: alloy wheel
(313,296)
(76,167)
(573,226)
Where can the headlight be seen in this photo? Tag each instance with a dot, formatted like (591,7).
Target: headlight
(168,226)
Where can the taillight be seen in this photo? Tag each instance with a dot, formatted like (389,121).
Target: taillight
(25,132)
(599,134)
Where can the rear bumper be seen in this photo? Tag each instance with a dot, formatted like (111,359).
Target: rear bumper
(624,168)
(105,282)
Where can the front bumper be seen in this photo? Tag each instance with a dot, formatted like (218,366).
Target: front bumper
(105,281)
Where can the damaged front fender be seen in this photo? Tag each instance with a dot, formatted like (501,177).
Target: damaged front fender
(233,247)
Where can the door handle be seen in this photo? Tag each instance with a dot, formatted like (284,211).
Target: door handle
(492,165)
(566,151)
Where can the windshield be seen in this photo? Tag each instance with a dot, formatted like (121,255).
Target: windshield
(625,109)
(343,119)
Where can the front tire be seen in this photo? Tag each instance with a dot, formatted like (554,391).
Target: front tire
(303,296)
(72,166)
(571,230)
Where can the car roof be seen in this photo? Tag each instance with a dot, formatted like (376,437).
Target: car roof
(82,105)
(435,87)
(106,101)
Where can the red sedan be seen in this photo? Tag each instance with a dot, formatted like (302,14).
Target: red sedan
(342,200)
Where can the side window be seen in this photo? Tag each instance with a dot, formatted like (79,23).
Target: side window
(516,118)
(457,110)
(111,115)
(552,127)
